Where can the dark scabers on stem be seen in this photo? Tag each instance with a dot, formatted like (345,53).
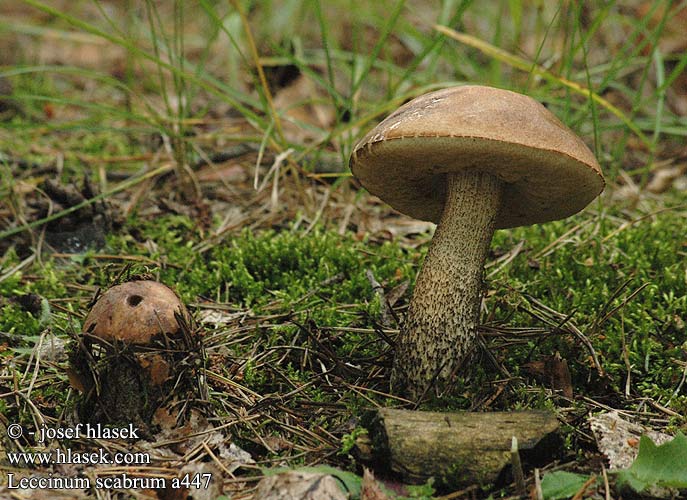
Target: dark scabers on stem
(471,159)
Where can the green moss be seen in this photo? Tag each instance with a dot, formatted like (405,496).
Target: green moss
(285,266)
(15,320)
(591,274)
(620,286)
(323,269)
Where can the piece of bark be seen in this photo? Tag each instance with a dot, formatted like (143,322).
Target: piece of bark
(459,448)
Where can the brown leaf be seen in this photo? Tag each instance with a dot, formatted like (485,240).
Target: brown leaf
(77,381)
(371,489)
(165,419)
(560,375)
(665,176)
(552,371)
(307,115)
(276,443)
(397,292)
(157,368)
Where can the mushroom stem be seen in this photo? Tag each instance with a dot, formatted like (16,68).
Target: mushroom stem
(442,319)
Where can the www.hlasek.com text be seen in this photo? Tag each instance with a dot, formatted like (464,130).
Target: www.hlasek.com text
(58,456)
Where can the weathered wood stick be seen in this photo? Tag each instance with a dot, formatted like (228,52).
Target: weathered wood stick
(457,448)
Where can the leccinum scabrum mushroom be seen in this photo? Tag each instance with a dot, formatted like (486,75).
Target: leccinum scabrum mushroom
(135,353)
(472,159)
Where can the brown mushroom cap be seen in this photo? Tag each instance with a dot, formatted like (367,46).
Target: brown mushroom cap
(548,173)
(134,312)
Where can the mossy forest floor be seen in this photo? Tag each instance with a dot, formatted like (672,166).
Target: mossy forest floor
(112,171)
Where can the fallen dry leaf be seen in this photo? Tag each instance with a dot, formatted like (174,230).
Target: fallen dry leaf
(665,176)
(295,485)
(552,371)
(156,366)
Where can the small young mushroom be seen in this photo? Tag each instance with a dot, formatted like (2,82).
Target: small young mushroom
(136,338)
(134,312)
(471,159)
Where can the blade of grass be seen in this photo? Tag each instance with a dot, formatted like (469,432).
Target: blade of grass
(592,104)
(263,88)
(660,106)
(111,111)
(239,101)
(544,38)
(385,32)
(324,33)
(434,47)
(636,43)
(380,110)
(153,118)
(524,65)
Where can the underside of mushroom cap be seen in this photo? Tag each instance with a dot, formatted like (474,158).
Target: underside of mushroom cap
(548,173)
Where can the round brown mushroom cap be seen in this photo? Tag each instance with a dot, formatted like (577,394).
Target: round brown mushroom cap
(135,312)
(548,173)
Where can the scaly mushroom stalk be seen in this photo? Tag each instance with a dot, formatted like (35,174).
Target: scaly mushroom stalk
(535,170)
(443,316)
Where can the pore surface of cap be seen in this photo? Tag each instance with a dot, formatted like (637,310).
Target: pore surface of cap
(548,173)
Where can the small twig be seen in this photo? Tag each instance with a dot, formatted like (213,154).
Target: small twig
(320,211)
(570,327)
(581,492)
(640,219)
(217,460)
(516,464)
(505,259)
(626,359)
(663,409)
(10,272)
(460,493)
(682,380)
(537,485)
(274,171)
(590,348)
(258,66)
(549,248)
(607,488)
